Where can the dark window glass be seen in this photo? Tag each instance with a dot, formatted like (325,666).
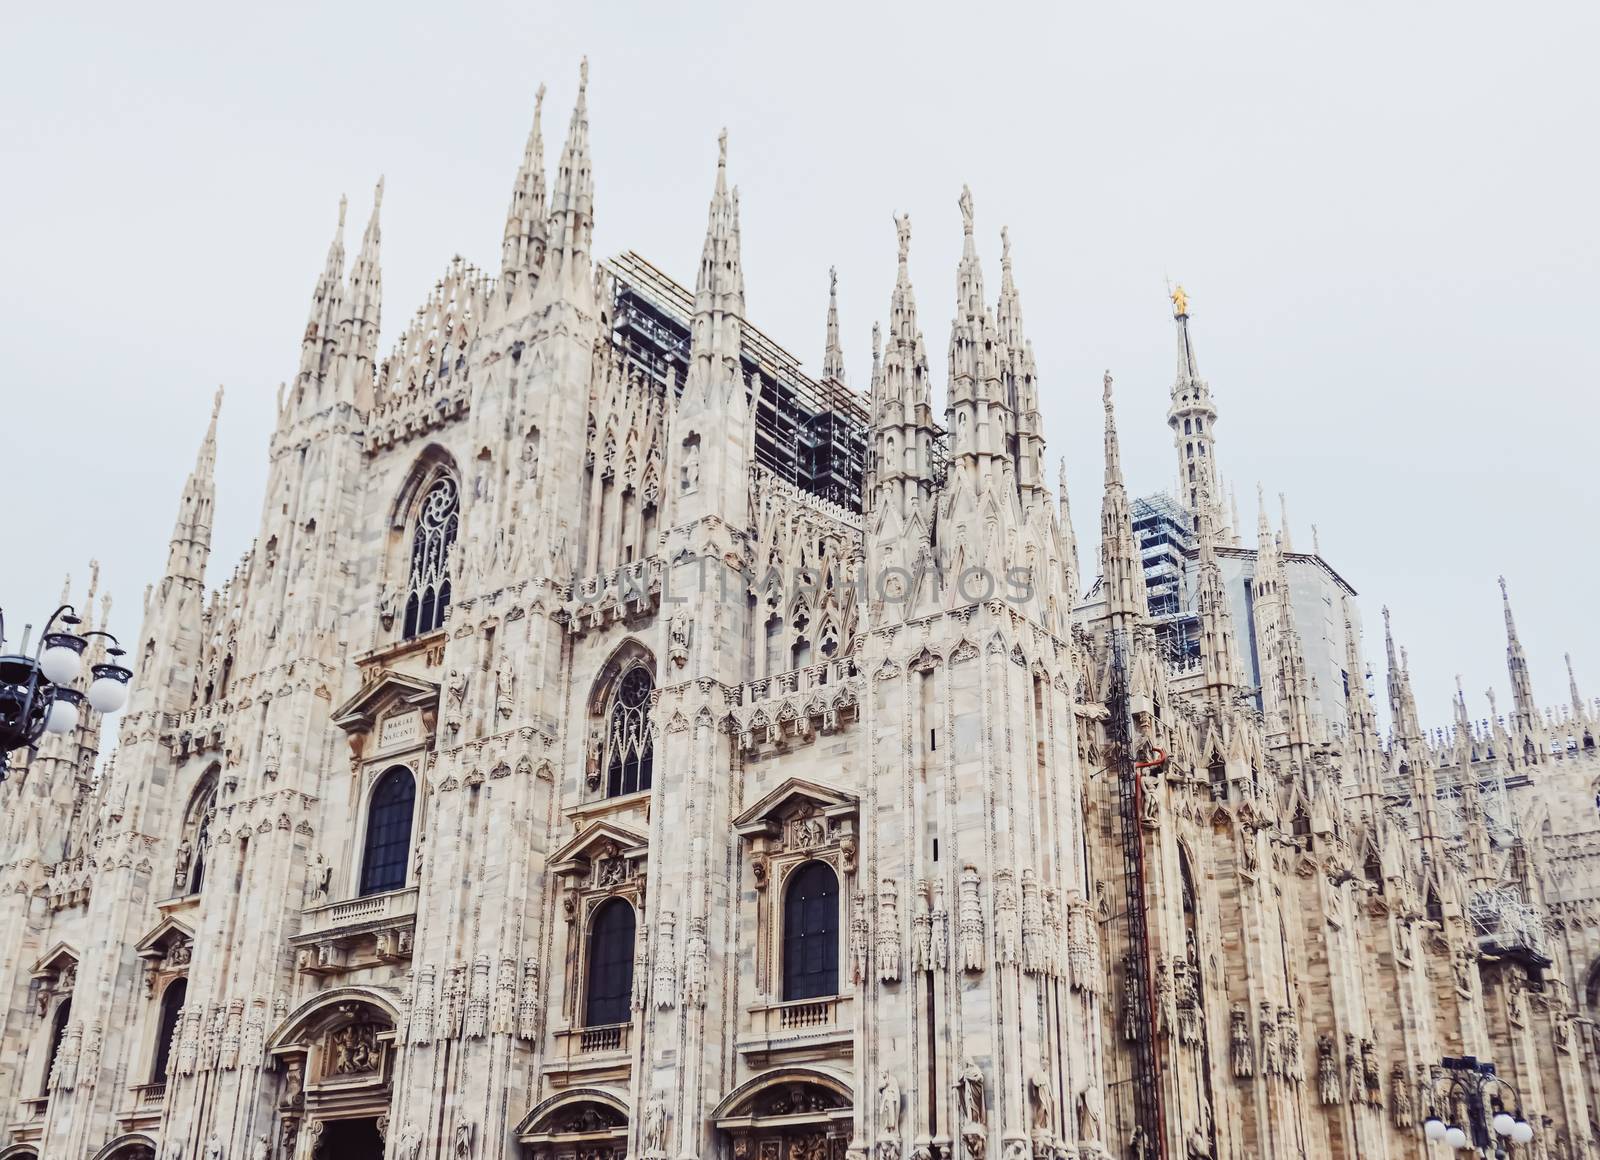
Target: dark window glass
(388,848)
(630,760)
(811,933)
(610,964)
(172,1000)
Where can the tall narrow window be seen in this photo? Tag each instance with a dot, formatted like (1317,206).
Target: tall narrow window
(58,1032)
(429,596)
(172,1000)
(610,989)
(388,847)
(811,933)
(195,845)
(630,756)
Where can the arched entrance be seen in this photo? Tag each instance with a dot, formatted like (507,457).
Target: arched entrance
(581,1124)
(798,1113)
(337,1054)
(133,1146)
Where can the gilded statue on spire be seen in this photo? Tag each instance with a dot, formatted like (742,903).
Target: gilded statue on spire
(1180,303)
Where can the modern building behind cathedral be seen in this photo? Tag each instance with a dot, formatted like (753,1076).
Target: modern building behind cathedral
(618,743)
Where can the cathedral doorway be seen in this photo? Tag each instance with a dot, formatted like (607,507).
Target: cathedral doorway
(357,1139)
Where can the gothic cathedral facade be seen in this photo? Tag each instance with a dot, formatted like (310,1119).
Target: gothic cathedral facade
(617,743)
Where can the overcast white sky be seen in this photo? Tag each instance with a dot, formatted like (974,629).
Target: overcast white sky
(1385,215)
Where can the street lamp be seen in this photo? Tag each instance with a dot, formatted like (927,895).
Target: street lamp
(36,692)
(1469,1077)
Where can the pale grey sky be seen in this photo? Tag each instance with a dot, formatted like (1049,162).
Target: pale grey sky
(1384,215)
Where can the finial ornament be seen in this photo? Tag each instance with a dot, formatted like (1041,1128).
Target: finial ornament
(377,195)
(902,227)
(1180,303)
(1107,382)
(1005,246)
(1503,593)
(583,74)
(833,279)
(965,202)
(344,204)
(722,149)
(538,100)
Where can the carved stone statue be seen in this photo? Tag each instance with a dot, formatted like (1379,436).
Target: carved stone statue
(969,1094)
(1091,1115)
(1327,1071)
(655,1128)
(1240,1048)
(214,1147)
(463,1145)
(888,1105)
(505,685)
(1042,1101)
(410,1142)
(321,879)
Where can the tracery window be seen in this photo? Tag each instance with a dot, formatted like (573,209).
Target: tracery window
(172,1000)
(387,853)
(630,754)
(811,933)
(610,983)
(428,597)
(189,869)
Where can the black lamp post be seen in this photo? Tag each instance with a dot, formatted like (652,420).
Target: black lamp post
(1489,1129)
(36,692)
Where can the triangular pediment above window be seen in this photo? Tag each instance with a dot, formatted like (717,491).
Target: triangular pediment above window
(385,692)
(158,944)
(794,797)
(596,843)
(57,959)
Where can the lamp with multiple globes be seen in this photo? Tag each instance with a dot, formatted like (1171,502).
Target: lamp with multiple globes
(36,692)
(1465,1089)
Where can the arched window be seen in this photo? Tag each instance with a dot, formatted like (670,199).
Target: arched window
(195,845)
(811,933)
(428,598)
(630,756)
(610,989)
(58,1032)
(172,1000)
(387,855)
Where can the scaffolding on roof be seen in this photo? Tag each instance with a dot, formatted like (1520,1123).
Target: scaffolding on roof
(809,432)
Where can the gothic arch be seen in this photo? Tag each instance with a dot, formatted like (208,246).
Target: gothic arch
(595,1117)
(432,462)
(131,1146)
(808,1109)
(307,1018)
(19,1152)
(630,653)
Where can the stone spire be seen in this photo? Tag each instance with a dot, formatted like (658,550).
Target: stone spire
(522,249)
(1192,417)
(1403,716)
(191,531)
(318,347)
(569,230)
(362,314)
(1525,714)
(1365,745)
(1069,537)
(710,430)
(1022,385)
(1266,597)
(902,415)
(1219,650)
(1572,688)
(1119,558)
(719,290)
(832,353)
(1286,544)
(976,415)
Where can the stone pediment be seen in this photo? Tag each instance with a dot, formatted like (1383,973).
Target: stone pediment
(599,841)
(768,815)
(55,960)
(159,942)
(387,690)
